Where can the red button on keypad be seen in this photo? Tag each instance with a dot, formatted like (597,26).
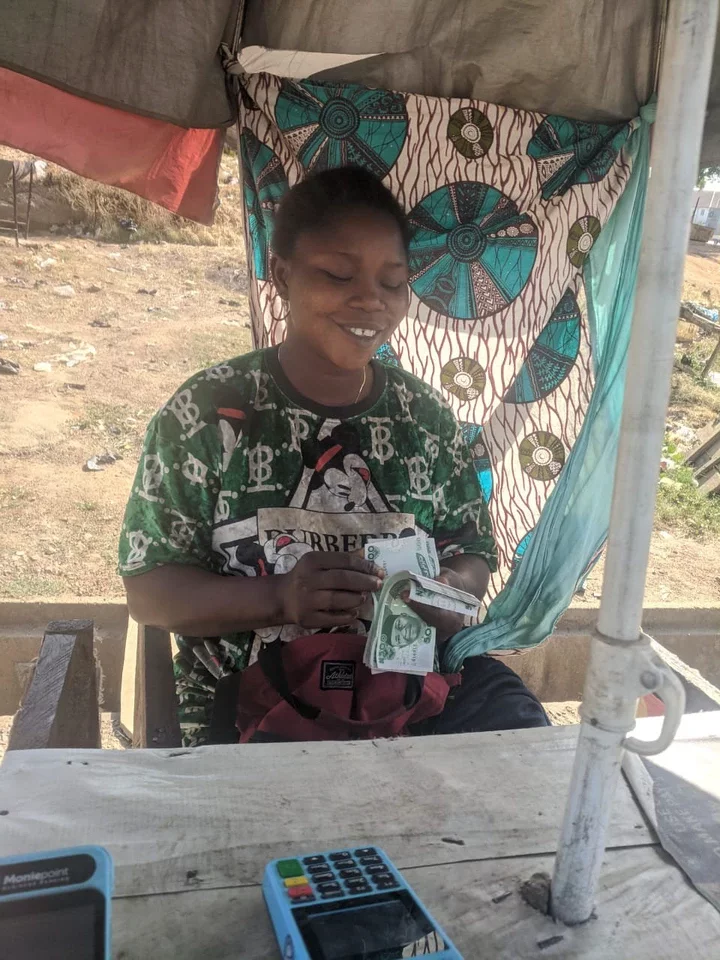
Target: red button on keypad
(296,892)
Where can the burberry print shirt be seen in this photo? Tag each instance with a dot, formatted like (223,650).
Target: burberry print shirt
(241,475)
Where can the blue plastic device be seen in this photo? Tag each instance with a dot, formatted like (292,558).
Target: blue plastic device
(349,905)
(56,905)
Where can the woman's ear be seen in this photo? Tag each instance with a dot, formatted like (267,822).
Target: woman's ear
(280,270)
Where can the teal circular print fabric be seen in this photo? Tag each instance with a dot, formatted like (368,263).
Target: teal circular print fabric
(328,125)
(551,357)
(542,455)
(473,437)
(264,185)
(472,251)
(571,152)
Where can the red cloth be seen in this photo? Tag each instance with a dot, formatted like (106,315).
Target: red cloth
(172,166)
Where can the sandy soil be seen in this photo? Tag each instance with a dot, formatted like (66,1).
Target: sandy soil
(680,571)
(702,274)
(60,522)
(109,738)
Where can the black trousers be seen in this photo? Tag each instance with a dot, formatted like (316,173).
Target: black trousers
(490,697)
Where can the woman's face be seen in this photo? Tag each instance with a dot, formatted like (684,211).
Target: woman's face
(347,286)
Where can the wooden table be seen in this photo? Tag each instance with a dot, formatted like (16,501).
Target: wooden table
(467,817)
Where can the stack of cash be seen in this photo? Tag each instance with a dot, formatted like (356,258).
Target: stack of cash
(399,640)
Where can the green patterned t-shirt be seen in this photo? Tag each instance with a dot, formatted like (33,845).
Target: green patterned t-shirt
(241,475)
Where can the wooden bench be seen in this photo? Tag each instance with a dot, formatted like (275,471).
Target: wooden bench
(60,707)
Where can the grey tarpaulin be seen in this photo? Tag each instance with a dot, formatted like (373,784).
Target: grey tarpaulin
(155,57)
(589,59)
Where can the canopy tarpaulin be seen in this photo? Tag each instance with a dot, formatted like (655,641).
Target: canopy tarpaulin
(127,92)
(584,59)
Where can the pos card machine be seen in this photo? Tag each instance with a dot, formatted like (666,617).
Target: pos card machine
(349,905)
(56,906)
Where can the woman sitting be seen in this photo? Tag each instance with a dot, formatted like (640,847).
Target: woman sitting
(263,477)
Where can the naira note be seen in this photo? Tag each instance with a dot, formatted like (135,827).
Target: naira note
(404,643)
(399,639)
(443,596)
(416,554)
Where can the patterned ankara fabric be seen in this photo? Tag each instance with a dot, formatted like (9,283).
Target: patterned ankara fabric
(506,206)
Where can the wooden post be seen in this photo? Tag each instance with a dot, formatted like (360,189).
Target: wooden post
(15,212)
(148,711)
(60,707)
(713,357)
(29,203)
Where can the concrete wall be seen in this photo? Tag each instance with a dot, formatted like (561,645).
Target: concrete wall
(554,671)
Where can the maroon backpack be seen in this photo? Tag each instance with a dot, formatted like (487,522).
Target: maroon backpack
(318,688)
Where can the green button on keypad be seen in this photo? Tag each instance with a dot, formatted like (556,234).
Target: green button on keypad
(289,868)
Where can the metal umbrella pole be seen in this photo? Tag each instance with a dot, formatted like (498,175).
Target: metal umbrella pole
(622,667)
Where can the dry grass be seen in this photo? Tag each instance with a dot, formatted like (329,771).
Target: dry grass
(101,209)
(96,210)
(694,400)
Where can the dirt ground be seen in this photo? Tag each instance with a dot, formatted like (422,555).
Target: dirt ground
(160,313)
(154,314)
(702,274)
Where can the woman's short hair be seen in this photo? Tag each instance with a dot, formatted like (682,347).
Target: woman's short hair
(322,197)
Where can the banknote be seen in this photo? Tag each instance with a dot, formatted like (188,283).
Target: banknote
(443,596)
(416,554)
(399,639)
(402,643)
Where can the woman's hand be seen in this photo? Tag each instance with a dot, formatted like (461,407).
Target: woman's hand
(446,622)
(327,589)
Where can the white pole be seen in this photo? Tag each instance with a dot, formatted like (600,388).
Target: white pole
(621,667)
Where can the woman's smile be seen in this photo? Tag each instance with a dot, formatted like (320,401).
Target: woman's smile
(365,335)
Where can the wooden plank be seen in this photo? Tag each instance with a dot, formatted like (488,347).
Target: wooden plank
(148,704)
(711,360)
(60,706)
(708,468)
(645,911)
(224,811)
(687,313)
(155,722)
(711,484)
(128,684)
(708,447)
(694,756)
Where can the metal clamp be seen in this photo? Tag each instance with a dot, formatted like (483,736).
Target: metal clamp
(659,679)
(621,672)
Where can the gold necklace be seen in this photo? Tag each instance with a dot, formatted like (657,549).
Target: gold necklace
(362,385)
